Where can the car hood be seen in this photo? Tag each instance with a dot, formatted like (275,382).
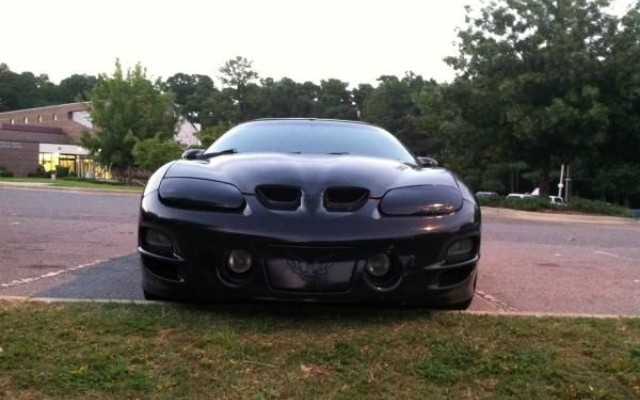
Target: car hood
(311,172)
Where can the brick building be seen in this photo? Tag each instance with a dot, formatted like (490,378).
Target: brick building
(50,136)
(46,136)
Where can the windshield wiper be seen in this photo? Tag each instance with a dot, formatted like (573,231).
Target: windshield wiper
(339,153)
(218,153)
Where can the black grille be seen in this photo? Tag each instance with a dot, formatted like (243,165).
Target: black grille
(279,197)
(345,198)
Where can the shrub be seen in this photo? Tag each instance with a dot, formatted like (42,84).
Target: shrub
(151,154)
(40,172)
(598,207)
(526,204)
(4,172)
(61,171)
(538,204)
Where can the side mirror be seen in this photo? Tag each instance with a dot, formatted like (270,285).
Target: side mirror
(428,162)
(192,154)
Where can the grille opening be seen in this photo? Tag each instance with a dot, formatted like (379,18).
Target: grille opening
(345,198)
(279,197)
(162,269)
(455,276)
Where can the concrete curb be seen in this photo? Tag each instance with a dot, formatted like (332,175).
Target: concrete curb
(537,314)
(552,217)
(51,188)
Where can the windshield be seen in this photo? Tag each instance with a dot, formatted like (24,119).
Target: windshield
(314,137)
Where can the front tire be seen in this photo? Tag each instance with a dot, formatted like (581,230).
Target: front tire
(152,297)
(463,305)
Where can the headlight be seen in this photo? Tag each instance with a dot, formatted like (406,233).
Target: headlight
(422,200)
(200,193)
(154,182)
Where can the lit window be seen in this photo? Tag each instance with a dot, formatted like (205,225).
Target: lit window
(39,118)
(25,120)
(55,117)
(13,121)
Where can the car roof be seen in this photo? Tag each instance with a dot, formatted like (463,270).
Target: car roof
(347,121)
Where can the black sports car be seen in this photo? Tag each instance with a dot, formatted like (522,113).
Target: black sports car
(309,209)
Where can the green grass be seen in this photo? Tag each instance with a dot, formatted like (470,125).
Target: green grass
(578,205)
(257,351)
(75,182)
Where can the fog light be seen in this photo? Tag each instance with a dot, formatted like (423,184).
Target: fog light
(460,250)
(158,241)
(239,261)
(378,265)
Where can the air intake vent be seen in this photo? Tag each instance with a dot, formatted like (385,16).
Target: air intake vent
(345,199)
(279,197)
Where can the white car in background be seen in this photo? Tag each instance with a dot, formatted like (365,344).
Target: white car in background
(519,196)
(557,201)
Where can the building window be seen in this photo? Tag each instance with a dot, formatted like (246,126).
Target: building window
(25,120)
(39,119)
(47,161)
(70,115)
(55,117)
(13,121)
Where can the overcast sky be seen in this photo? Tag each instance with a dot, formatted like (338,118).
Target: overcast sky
(352,40)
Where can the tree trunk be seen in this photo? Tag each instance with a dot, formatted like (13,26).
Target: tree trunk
(543,182)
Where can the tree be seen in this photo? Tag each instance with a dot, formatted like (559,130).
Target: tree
(150,154)
(126,109)
(616,164)
(334,100)
(392,105)
(191,91)
(288,99)
(540,62)
(236,74)
(27,90)
(359,95)
(209,135)
(19,91)
(219,107)
(77,87)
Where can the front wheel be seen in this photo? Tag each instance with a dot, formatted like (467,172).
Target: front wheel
(463,305)
(151,296)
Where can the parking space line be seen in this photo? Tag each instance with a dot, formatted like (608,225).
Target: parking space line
(606,253)
(495,302)
(23,281)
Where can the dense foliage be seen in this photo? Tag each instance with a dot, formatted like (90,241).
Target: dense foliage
(128,110)
(26,90)
(539,83)
(577,204)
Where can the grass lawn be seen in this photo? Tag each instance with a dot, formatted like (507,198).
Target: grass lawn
(74,183)
(282,351)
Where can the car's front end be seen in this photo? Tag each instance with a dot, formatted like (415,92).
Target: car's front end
(309,210)
(309,250)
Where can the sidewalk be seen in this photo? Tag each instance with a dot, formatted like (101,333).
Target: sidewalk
(72,189)
(559,217)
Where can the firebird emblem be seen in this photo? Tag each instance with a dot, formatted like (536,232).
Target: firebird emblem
(310,271)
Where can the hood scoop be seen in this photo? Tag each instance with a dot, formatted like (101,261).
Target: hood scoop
(279,197)
(344,199)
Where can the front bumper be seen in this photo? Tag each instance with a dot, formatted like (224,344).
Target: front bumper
(309,257)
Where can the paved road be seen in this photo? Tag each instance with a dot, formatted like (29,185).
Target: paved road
(61,244)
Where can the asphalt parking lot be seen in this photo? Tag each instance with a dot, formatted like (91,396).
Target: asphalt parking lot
(65,244)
